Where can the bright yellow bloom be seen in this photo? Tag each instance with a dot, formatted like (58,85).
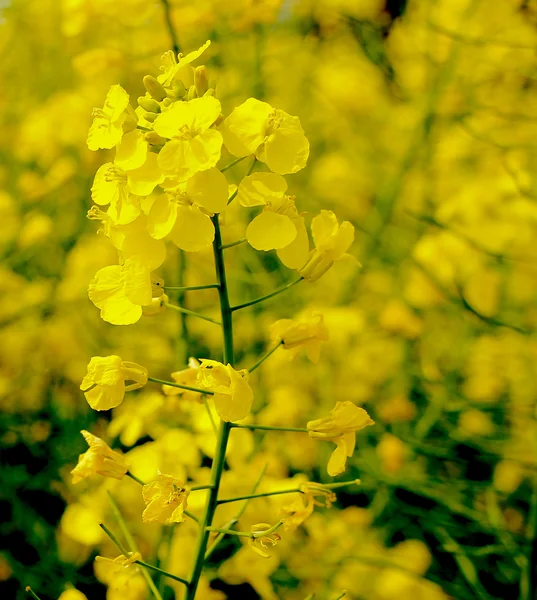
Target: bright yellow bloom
(296,334)
(100,459)
(166,500)
(173,70)
(133,173)
(188,377)
(233,395)
(340,427)
(72,594)
(109,122)
(331,243)
(260,542)
(104,384)
(275,137)
(183,213)
(120,291)
(279,227)
(193,144)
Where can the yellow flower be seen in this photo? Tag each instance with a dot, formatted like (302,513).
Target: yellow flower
(262,535)
(340,427)
(108,124)
(279,227)
(331,243)
(99,459)
(188,377)
(183,212)
(133,173)
(121,560)
(275,137)
(232,394)
(193,144)
(104,385)
(72,594)
(120,291)
(296,334)
(173,70)
(297,512)
(166,500)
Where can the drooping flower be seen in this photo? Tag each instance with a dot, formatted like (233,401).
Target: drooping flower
(188,377)
(120,291)
(309,334)
(194,145)
(104,384)
(233,395)
(110,122)
(340,427)
(260,540)
(275,137)
(331,244)
(100,459)
(166,500)
(294,514)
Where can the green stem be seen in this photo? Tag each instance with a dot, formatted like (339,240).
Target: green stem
(210,415)
(225,246)
(232,163)
(32,593)
(230,532)
(271,428)
(236,518)
(115,539)
(191,516)
(180,386)
(267,296)
(129,474)
(200,487)
(132,544)
(264,357)
(192,313)
(342,595)
(190,288)
(161,571)
(225,428)
(169,25)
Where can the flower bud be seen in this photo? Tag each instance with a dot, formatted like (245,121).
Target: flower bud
(201,81)
(153,138)
(150,116)
(149,104)
(154,88)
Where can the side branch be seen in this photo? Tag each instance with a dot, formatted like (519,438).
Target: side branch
(267,296)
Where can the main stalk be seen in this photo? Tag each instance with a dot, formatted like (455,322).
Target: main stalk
(225,428)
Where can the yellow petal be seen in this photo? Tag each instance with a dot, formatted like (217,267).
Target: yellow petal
(248,123)
(270,230)
(209,189)
(232,142)
(132,151)
(193,230)
(137,281)
(149,251)
(105,398)
(104,192)
(323,227)
(204,112)
(338,460)
(161,217)
(286,151)
(295,255)
(106,292)
(142,181)
(260,188)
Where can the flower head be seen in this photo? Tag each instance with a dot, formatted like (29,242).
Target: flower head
(275,137)
(99,459)
(233,395)
(308,334)
(104,384)
(166,500)
(331,244)
(340,427)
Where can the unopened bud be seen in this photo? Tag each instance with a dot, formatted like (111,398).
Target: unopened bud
(149,104)
(179,89)
(152,137)
(150,116)
(201,81)
(166,102)
(212,84)
(192,92)
(154,88)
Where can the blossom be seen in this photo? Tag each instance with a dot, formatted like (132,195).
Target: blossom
(166,500)
(120,291)
(99,459)
(275,137)
(104,384)
(279,227)
(232,394)
(106,130)
(183,213)
(340,427)
(296,334)
(297,512)
(193,144)
(173,69)
(262,535)
(331,243)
